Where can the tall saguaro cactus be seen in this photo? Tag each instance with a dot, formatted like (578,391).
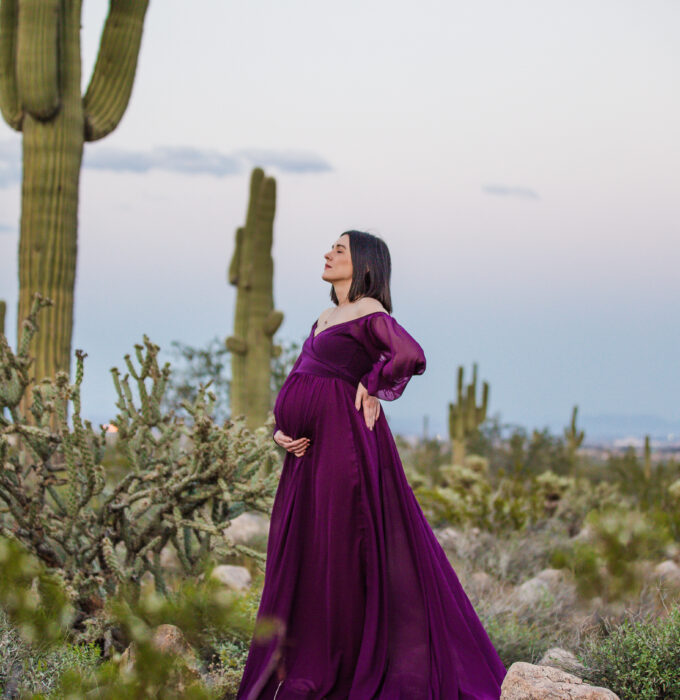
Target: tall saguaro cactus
(251,271)
(465,416)
(40,72)
(573,437)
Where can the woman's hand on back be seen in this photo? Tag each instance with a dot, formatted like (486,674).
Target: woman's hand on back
(370,404)
(297,447)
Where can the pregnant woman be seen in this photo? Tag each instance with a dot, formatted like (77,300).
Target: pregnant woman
(360,596)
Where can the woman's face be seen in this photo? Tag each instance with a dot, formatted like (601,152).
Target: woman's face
(338,261)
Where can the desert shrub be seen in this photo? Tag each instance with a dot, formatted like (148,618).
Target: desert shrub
(604,563)
(184,481)
(638,659)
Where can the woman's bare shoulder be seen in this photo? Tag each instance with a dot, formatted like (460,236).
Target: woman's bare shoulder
(369,305)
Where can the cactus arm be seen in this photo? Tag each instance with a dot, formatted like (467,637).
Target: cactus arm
(110,87)
(236,345)
(3,308)
(37,57)
(272,322)
(235,264)
(9,94)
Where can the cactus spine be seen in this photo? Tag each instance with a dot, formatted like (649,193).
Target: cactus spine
(573,437)
(465,416)
(255,321)
(40,72)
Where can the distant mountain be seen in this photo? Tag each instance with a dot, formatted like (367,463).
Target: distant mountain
(609,426)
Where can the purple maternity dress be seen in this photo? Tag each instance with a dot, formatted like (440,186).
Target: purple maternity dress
(367,602)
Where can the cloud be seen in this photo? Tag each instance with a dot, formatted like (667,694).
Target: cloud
(7,228)
(288,161)
(504,190)
(185,160)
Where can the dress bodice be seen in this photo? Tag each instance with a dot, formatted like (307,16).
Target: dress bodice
(372,349)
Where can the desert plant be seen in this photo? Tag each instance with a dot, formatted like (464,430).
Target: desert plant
(638,659)
(465,416)
(573,437)
(203,610)
(184,485)
(40,76)
(255,320)
(604,563)
(200,366)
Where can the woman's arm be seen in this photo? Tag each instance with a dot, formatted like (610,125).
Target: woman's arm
(397,357)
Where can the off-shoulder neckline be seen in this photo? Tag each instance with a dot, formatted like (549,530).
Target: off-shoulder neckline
(342,323)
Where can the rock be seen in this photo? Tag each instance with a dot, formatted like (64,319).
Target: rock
(481,580)
(585,534)
(169,559)
(669,572)
(532,592)
(235,577)
(449,538)
(170,640)
(531,682)
(247,527)
(562,659)
(547,584)
(553,577)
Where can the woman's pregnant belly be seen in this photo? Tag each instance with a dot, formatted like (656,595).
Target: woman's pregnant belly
(305,401)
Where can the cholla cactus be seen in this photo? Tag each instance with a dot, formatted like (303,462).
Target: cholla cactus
(184,484)
(465,416)
(256,321)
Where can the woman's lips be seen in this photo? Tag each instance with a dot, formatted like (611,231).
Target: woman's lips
(327,266)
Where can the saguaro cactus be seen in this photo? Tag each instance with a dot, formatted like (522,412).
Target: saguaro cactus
(573,437)
(255,321)
(40,71)
(3,307)
(465,416)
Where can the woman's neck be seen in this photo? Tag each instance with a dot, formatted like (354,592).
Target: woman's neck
(342,291)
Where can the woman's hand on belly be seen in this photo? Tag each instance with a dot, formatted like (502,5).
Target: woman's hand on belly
(297,447)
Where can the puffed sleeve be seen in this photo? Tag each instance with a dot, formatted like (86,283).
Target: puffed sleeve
(396,357)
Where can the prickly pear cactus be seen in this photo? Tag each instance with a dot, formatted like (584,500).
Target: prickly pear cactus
(40,75)
(255,320)
(465,416)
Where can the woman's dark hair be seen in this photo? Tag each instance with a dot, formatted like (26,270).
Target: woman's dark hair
(372,268)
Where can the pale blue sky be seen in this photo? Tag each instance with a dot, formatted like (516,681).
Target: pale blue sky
(521,160)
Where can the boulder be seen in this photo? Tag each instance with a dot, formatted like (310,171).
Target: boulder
(247,528)
(562,659)
(548,583)
(170,640)
(481,581)
(449,538)
(668,572)
(235,577)
(526,681)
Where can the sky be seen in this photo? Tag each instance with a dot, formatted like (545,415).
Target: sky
(520,159)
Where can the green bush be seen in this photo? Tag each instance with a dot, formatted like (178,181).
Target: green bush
(638,660)
(605,563)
